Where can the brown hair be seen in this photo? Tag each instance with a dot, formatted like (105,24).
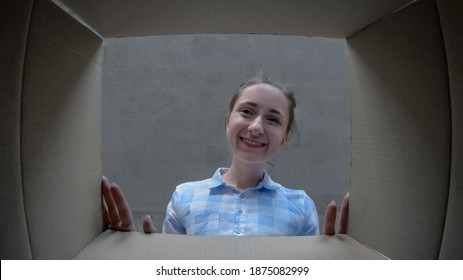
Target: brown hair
(285,90)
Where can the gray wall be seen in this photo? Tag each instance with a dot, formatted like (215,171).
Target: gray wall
(165,100)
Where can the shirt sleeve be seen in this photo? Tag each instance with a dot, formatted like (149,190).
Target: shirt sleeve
(172,222)
(311,224)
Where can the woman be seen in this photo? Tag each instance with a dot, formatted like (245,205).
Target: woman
(242,199)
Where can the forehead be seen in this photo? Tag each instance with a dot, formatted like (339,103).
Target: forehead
(265,97)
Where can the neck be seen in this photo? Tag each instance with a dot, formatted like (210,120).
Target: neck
(243,176)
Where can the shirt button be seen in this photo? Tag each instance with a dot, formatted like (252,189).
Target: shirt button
(240,211)
(238,231)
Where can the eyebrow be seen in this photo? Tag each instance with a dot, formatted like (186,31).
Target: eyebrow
(250,103)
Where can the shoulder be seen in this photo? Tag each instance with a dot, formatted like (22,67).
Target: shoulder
(187,192)
(291,194)
(205,184)
(295,195)
(194,187)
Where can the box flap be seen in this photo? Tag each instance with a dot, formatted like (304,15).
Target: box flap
(137,245)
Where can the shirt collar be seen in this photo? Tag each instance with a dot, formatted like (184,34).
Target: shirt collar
(217,180)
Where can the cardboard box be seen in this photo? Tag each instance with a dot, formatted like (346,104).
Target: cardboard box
(406,106)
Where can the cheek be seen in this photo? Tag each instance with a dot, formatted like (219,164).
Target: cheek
(279,137)
(234,124)
(230,132)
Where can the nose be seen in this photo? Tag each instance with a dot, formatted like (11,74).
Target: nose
(256,126)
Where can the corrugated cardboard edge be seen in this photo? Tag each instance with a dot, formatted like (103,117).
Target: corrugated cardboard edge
(139,246)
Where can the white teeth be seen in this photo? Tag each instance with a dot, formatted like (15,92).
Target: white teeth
(252,142)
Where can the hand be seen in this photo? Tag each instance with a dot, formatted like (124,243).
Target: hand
(330,217)
(116,210)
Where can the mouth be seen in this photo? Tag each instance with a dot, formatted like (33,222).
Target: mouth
(252,143)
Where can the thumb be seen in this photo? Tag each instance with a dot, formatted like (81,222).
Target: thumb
(148,226)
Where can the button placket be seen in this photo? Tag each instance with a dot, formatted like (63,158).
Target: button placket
(237,229)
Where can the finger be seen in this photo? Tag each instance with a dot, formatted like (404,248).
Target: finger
(123,208)
(106,218)
(148,226)
(330,219)
(108,203)
(113,213)
(343,217)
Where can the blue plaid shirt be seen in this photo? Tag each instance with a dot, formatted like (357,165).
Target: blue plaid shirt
(211,207)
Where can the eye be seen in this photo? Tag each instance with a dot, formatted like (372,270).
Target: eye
(273,120)
(247,112)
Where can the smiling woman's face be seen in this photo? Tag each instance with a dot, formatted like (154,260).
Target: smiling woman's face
(258,123)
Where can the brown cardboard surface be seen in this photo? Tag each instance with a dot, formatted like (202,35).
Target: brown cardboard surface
(451,15)
(136,245)
(338,19)
(400,134)
(60,133)
(15,18)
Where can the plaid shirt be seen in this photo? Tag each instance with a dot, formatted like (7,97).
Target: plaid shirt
(211,207)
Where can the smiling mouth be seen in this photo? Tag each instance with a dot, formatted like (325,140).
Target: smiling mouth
(252,143)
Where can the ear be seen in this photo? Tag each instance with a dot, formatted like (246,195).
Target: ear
(227,119)
(284,140)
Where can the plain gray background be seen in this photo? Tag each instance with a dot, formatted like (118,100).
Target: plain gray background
(165,99)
